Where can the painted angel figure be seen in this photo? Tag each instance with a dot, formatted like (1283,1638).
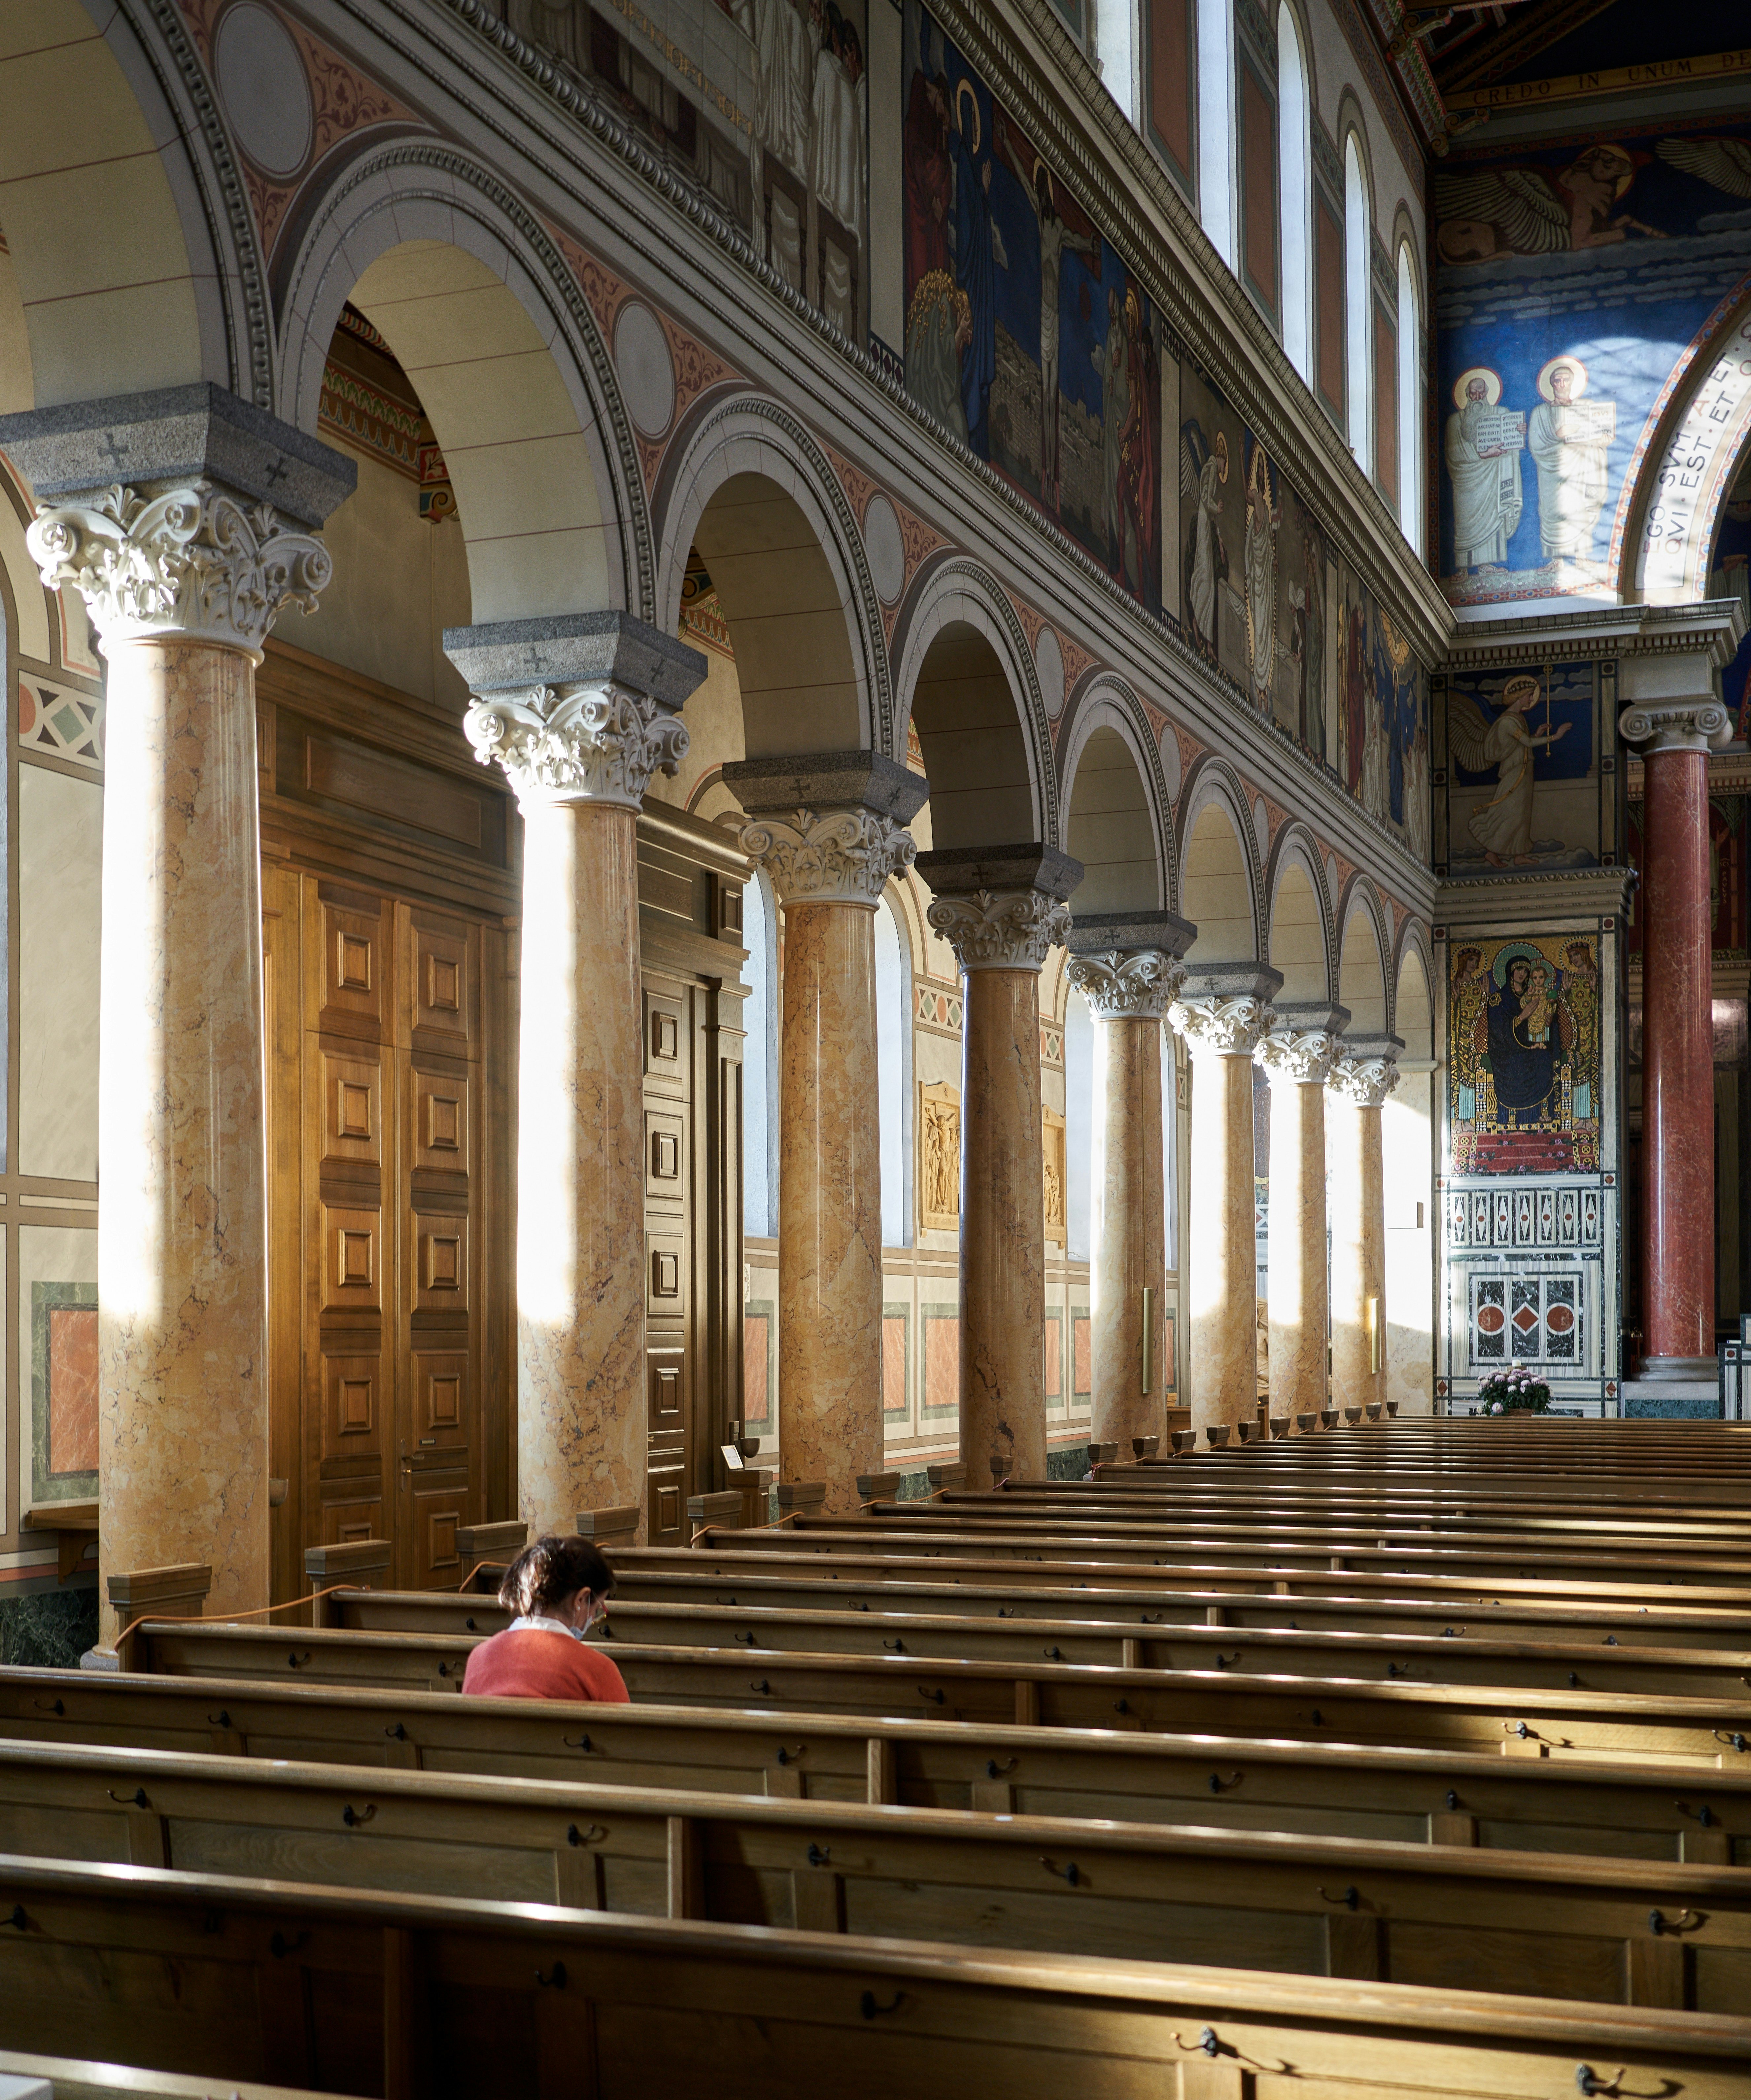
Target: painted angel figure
(1725,163)
(1524,211)
(1203,467)
(1506,748)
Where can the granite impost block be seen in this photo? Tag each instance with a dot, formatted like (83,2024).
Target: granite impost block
(576,649)
(828,780)
(962,870)
(1101,933)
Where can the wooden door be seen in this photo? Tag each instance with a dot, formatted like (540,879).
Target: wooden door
(669,1282)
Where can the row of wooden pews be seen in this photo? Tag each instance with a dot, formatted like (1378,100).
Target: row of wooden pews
(1182,1710)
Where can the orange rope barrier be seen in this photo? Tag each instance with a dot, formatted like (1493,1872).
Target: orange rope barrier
(261,1611)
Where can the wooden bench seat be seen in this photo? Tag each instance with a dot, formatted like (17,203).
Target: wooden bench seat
(1559,1805)
(1619,1931)
(78,2078)
(403,1995)
(1470,1518)
(1419,1657)
(1527,1721)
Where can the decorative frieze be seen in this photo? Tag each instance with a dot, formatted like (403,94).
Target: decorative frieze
(1135,986)
(838,857)
(590,741)
(1005,930)
(1220,1027)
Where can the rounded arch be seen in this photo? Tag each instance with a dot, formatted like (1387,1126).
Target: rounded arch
(457,274)
(136,257)
(1220,882)
(965,675)
(1663,540)
(754,493)
(1362,950)
(1298,918)
(1412,998)
(1295,106)
(1358,281)
(1117,820)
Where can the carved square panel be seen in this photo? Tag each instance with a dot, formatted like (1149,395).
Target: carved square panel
(668,1511)
(351,1260)
(350,1412)
(440,1122)
(345,1523)
(440,1386)
(352,1108)
(665,1037)
(665,1042)
(352,962)
(665,1273)
(441,1253)
(437,1512)
(665,1132)
(666,1386)
(443,990)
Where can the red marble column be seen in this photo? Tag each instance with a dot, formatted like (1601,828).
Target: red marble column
(1678,1062)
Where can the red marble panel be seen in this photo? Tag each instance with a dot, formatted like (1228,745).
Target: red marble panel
(941,1363)
(1081,1349)
(894,1363)
(1054,1359)
(756,1409)
(73,1389)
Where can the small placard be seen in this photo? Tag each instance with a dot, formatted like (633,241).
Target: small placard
(732,1457)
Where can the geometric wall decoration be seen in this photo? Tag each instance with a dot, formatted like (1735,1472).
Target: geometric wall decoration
(55,719)
(63,1390)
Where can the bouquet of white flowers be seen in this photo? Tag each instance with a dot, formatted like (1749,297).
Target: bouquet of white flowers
(1514,1392)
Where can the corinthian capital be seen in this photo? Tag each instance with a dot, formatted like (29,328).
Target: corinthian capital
(1299,1060)
(1120,986)
(188,560)
(1002,930)
(1220,1027)
(1364,1081)
(840,857)
(592,742)
(1701,723)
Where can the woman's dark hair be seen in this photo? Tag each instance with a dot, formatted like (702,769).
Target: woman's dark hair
(551,1570)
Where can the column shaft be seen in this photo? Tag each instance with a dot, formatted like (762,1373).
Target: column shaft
(1222,1287)
(1358,1254)
(1002,1240)
(830,1276)
(581,1409)
(1297,1277)
(1128,1253)
(1677,1061)
(181,1256)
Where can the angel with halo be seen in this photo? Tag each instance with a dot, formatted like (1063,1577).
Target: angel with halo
(1506,748)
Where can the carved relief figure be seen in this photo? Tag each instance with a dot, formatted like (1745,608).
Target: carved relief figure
(939,1146)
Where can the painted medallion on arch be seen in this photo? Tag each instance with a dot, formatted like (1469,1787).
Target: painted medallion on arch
(1524,1030)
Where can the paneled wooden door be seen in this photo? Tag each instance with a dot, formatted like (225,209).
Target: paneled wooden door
(393,1136)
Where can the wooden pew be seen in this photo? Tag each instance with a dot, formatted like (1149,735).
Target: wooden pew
(78,2078)
(1562,1805)
(1619,1931)
(401,1995)
(1418,1657)
(1529,1722)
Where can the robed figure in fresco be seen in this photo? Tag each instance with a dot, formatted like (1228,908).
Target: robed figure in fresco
(1526,1033)
(977,254)
(1503,826)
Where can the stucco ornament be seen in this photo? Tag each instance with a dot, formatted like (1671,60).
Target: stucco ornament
(189,562)
(842,857)
(1003,929)
(1225,1027)
(1304,1059)
(1137,984)
(1364,1081)
(590,743)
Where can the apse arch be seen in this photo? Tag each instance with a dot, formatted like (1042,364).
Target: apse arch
(1362,950)
(1116,820)
(1221,885)
(1298,920)
(758,499)
(1684,465)
(964,676)
(455,271)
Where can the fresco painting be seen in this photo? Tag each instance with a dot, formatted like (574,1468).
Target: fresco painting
(1730,576)
(1522,777)
(1026,335)
(1523,1028)
(1574,279)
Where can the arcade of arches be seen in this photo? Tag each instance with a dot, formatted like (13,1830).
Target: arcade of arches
(844,739)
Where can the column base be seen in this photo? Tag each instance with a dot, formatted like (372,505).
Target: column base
(1680,1367)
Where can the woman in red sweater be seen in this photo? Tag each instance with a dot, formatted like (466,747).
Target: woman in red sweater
(558,1588)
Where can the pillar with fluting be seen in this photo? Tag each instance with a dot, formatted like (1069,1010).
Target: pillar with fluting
(1128,986)
(185,519)
(1222,1012)
(1001,909)
(1677,1035)
(1297,1056)
(829,831)
(580,709)
(1362,1079)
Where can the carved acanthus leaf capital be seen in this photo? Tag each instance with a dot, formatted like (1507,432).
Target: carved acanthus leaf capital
(1304,1059)
(1364,1081)
(586,742)
(1001,930)
(842,857)
(1127,985)
(187,560)
(1220,1027)
(1702,724)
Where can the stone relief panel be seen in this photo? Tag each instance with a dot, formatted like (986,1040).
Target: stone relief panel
(939,1158)
(1052,1144)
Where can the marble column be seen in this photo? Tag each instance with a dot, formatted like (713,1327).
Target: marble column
(1677,1035)
(580,709)
(1128,986)
(1001,909)
(184,519)
(1297,1057)
(1222,1012)
(1362,1079)
(841,835)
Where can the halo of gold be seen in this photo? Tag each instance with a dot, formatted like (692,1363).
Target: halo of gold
(1492,381)
(1575,365)
(965,86)
(1220,448)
